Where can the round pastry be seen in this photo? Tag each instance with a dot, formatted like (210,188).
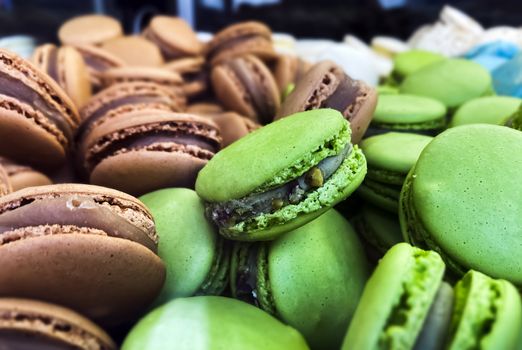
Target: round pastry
(22,176)
(89,29)
(408,62)
(486,110)
(134,51)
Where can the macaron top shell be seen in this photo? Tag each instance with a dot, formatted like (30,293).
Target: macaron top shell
(487,110)
(394,151)
(452,82)
(176,34)
(134,51)
(455,190)
(408,62)
(272,155)
(407,109)
(323,255)
(89,29)
(33,324)
(202,323)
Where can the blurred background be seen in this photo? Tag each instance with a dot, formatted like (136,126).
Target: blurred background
(303,18)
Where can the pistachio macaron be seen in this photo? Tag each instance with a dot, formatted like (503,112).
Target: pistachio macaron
(305,277)
(281,176)
(211,322)
(408,62)
(196,257)
(488,110)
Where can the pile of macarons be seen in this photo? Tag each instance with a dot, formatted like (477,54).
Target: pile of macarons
(168,191)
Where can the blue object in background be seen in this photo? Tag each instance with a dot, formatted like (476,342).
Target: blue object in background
(507,79)
(493,55)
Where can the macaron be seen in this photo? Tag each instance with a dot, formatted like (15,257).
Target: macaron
(210,322)
(232,126)
(515,120)
(406,305)
(281,176)
(134,51)
(452,82)
(388,46)
(204,107)
(22,176)
(487,110)
(288,70)
(449,201)
(173,36)
(97,61)
(38,119)
(89,29)
(89,248)
(5,182)
(31,324)
(390,157)
(408,62)
(240,39)
(246,85)
(305,277)
(193,72)
(67,67)
(171,80)
(196,257)
(410,113)
(142,151)
(325,85)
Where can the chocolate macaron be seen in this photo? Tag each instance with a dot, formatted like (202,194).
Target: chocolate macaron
(288,70)
(22,176)
(240,39)
(89,248)
(30,324)
(5,182)
(37,118)
(139,152)
(245,85)
(89,29)
(134,51)
(67,67)
(171,80)
(326,85)
(193,72)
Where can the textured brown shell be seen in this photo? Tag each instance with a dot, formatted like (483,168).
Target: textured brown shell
(135,51)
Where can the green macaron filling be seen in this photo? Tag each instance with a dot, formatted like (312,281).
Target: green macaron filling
(385,176)
(427,126)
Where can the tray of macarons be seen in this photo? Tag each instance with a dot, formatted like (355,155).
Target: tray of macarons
(248,190)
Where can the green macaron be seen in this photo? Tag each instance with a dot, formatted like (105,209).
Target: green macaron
(196,257)
(311,278)
(487,110)
(211,323)
(452,82)
(462,199)
(281,176)
(515,120)
(411,113)
(408,62)
(390,157)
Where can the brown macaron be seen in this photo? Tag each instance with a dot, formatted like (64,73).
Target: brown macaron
(89,248)
(22,176)
(143,151)
(160,76)
(193,72)
(173,36)
(98,61)
(89,29)
(5,181)
(232,126)
(67,67)
(37,118)
(326,85)
(134,51)
(245,85)
(288,70)
(29,324)
(240,39)
(204,108)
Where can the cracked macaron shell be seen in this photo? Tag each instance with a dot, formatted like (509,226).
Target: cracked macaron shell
(74,244)
(34,108)
(188,244)
(314,272)
(452,82)
(486,110)
(406,279)
(34,324)
(449,202)
(210,322)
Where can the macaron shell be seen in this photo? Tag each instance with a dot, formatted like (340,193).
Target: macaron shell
(408,62)
(392,151)
(457,183)
(488,110)
(380,195)
(134,51)
(380,228)
(5,182)
(29,178)
(201,323)
(407,109)
(177,34)
(89,29)
(75,76)
(315,271)
(232,126)
(452,82)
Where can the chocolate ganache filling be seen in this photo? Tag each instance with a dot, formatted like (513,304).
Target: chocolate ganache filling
(344,96)
(227,214)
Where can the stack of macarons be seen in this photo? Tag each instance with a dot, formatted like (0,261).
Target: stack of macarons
(251,166)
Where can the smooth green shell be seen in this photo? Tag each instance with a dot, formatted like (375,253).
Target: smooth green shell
(317,273)
(380,228)
(211,323)
(463,199)
(396,300)
(408,62)
(452,82)
(273,155)
(187,241)
(487,110)
(408,110)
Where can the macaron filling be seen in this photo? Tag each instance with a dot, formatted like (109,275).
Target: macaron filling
(229,213)
(217,278)
(71,210)
(345,96)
